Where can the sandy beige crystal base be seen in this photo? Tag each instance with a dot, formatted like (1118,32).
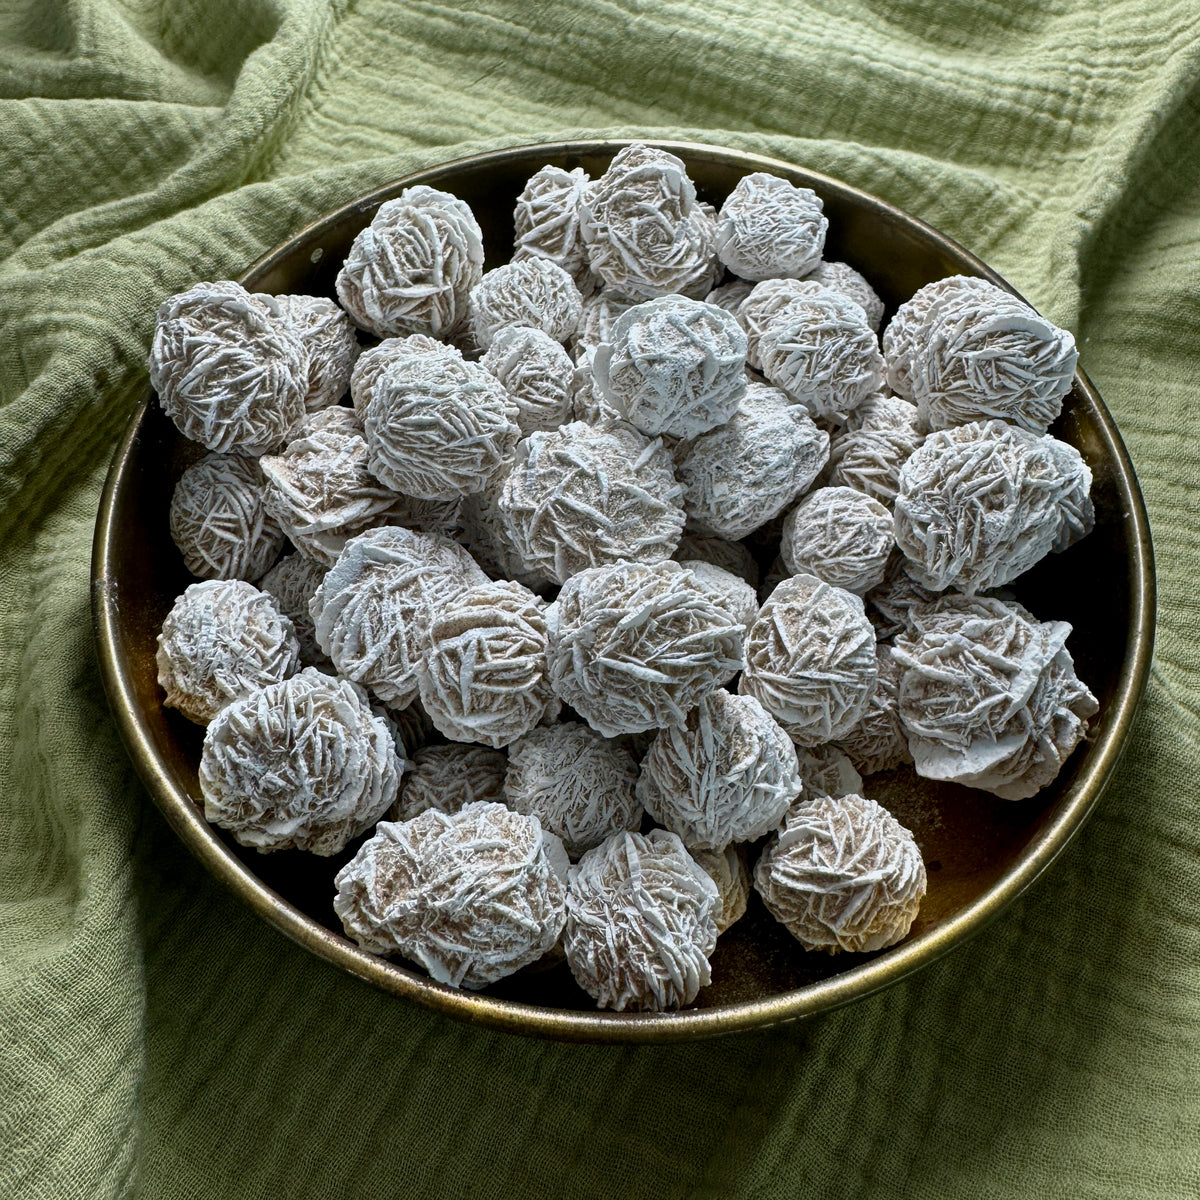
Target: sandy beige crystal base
(980,852)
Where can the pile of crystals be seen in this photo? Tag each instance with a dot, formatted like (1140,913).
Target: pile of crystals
(515,635)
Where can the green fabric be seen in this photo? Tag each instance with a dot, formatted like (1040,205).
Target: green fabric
(155,1037)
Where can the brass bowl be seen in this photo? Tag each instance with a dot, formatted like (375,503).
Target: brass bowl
(980,852)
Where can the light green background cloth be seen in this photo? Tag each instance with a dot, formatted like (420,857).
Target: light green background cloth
(157,1039)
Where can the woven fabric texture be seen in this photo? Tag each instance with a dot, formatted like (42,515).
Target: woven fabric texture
(156,1038)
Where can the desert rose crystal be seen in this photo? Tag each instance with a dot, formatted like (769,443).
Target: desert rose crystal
(578,784)
(640,922)
(229,368)
(220,641)
(219,519)
(302,764)
(449,778)
(637,646)
(810,660)
(412,269)
(472,896)
(842,874)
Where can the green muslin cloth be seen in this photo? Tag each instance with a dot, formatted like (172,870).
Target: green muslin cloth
(156,1039)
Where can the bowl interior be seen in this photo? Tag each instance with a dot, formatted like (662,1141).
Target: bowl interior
(979,851)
